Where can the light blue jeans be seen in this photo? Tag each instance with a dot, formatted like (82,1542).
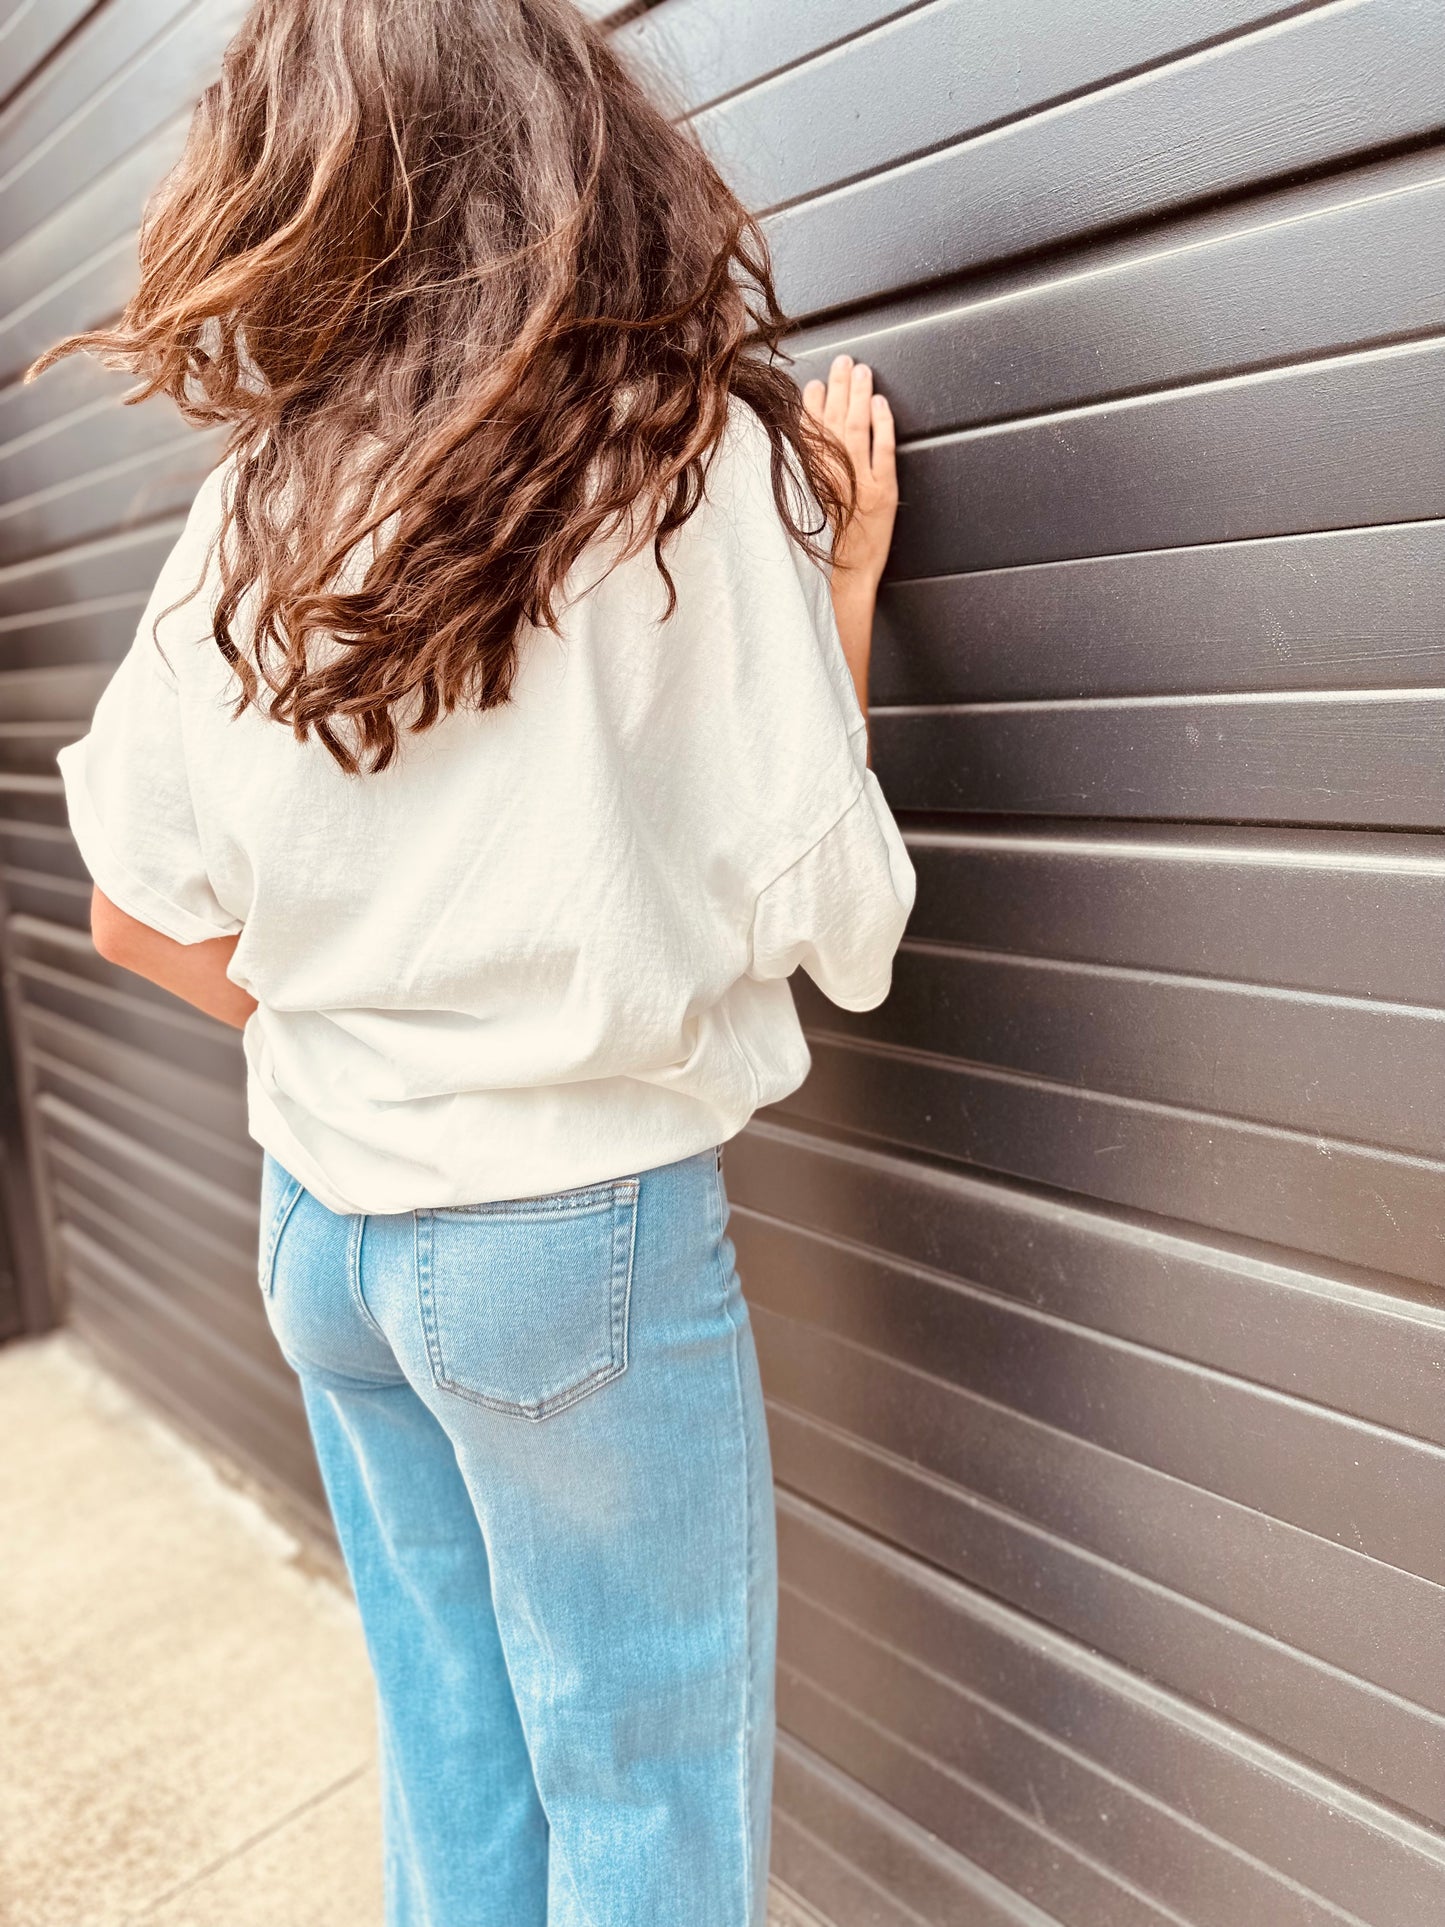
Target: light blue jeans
(541,1432)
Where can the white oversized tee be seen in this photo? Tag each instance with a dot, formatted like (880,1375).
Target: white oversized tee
(550,945)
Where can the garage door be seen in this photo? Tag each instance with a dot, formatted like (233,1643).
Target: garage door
(1100,1275)
(134,1103)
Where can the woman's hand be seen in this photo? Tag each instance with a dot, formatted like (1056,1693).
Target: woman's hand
(863,423)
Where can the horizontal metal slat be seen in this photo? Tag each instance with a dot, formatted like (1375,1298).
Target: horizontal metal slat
(1017,1850)
(47,257)
(800,1863)
(1335,1841)
(40,847)
(225,1298)
(95,290)
(1344,609)
(31,748)
(703,48)
(47,953)
(180,1372)
(42,695)
(176,1038)
(35,941)
(1250,456)
(1353,1068)
(207,1151)
(122,79)
(265,1376)
(1351,911)
(74,386)
(155,484)
(850,1852)
(1371,1348)
(31,32)
(31,799)
(214,1265)
(111,40)
(214,1109)
(1328,83)
(60,899)
(213,1207)
(1342,264)
(96,632)
(115,565)
(1341,1479)
(941,74)
(1341,1201)
(98,438)
(1072,1562)
(43,896)
(1371,759)
(1014,1796)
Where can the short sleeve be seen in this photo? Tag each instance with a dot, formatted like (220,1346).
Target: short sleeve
(127,789)
(839,911)
(740,737)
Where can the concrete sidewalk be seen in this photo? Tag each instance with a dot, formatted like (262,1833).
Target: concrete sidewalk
(185,1711)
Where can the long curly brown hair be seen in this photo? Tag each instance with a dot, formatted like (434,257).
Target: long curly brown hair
(464,293)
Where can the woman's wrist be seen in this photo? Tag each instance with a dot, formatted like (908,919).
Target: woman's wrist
(855,595)
(855,602)
(853,606)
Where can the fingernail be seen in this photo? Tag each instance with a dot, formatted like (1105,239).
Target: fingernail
(841,361)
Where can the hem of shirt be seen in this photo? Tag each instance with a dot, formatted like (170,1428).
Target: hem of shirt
(868,999)
(125,890)
(270,1128)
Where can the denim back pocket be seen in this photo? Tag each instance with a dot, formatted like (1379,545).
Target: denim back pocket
(525,1304)
(279,1192)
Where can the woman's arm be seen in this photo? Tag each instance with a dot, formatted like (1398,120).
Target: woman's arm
(194,971)
(863,422)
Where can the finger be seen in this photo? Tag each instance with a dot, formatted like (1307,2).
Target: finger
(860,414)
(885,444)
(840,381)
(814,394)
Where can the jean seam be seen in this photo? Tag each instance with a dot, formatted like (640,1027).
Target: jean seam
(547,1408)
(745,1788)
(422,1253)
(279,1223)
(572,1204)
(624,1251)
(354,1243)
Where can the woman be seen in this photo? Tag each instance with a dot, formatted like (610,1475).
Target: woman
(491,753)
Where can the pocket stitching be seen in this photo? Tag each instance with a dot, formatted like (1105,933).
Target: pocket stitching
(280,1219)
(624,1231)
(623,1198)
(356,1238)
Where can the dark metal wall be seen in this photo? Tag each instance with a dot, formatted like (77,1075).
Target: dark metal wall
(134,1104)
(25,1300)
(1100,1276)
